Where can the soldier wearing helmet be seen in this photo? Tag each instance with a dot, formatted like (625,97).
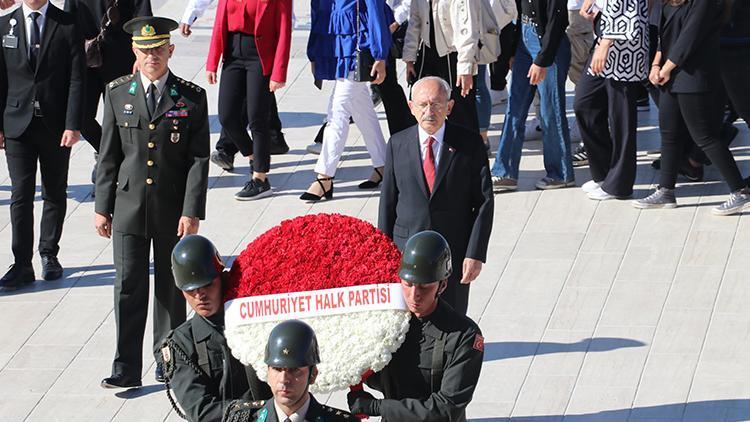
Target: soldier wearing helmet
(292,357)
(198,365)
(432,376)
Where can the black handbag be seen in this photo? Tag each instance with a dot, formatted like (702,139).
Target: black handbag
(93,46)
(399,38)
(363,60)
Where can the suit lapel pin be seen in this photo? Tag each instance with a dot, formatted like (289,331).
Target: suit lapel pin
(175,138)
(13,22)
(451,149)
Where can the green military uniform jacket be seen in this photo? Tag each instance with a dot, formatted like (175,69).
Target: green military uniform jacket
(265,411)
(153,170)
(203,374)
(448,349)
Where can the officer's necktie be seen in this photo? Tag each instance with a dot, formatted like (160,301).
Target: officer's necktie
(35,39)
(429,164)
(287,420)
(151,103)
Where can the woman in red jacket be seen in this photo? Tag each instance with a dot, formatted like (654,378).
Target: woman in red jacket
(253,37)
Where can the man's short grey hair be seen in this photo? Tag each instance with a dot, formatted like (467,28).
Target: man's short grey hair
(445,87)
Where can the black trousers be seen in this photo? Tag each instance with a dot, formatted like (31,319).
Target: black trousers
(397,111)
(735,74)
(225,145)
(694,114)
(243,84)
(131,259)
(608,119)
(37,144)
(457,294)
(464,112)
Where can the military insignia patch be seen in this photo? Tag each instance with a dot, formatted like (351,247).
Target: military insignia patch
(478,343)
(262,415)
(133,86)
(166,354)
(148,31)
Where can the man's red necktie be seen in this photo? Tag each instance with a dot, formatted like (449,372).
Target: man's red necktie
(429,164)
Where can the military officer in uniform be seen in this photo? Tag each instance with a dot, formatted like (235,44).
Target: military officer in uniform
(150,189)
(432,376)
(198,366)
(291,356)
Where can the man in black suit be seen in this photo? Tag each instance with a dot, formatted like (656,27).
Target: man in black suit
(41,88)
(437,177)
(150,189)
(117,55)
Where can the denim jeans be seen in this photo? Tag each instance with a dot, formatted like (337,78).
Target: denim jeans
(554,124)
(484,101)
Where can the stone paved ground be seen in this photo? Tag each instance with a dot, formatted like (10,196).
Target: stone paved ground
(591,311)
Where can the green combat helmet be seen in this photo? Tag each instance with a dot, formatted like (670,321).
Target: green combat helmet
(426,259)
(195,263)
(292,344)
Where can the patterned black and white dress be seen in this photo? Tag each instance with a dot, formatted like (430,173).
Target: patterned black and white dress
(625,22)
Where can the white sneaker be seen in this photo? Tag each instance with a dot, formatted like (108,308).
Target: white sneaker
(533,131)
(589,186)
(575,133)
(499,97)
(314,148)
(600,195)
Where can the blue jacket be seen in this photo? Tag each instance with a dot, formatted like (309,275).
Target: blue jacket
(333,34)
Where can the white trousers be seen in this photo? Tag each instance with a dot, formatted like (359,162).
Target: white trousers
(350,99)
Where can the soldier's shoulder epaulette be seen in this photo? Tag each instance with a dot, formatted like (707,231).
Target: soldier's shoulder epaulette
(189,84)
(338,414)
(121,80)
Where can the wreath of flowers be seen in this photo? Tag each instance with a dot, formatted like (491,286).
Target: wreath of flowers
(317,252)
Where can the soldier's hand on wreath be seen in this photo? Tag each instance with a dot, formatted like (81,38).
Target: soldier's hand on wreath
(103,225)
(187,225)
(363,403)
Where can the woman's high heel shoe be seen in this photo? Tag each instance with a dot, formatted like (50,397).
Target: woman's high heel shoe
(327,194)
(369,184)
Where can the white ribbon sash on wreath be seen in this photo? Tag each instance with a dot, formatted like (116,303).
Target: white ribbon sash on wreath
(301,305)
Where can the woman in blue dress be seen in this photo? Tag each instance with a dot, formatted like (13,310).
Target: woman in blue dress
(337,32)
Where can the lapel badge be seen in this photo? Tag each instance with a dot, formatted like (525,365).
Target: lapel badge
(175,138)
(451,149)
(133,86)
(173,91)
(262,415)
(175,122)
(128,109)
(13,22)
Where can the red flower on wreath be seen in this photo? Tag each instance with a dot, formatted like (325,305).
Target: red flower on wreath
(314,252)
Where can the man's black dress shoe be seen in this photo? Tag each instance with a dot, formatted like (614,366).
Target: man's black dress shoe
(51,268)
(159,374)
(17,276)
(121,381)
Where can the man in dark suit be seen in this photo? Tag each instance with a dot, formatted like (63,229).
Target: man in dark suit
(437,177)
(117,55)
(150,189)
(41,88)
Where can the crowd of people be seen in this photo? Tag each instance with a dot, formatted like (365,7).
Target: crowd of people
(437,184)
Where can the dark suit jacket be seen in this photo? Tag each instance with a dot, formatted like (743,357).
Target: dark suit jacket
(690,38)
(461,205)
(117,51)
(57,82)
(170,149)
